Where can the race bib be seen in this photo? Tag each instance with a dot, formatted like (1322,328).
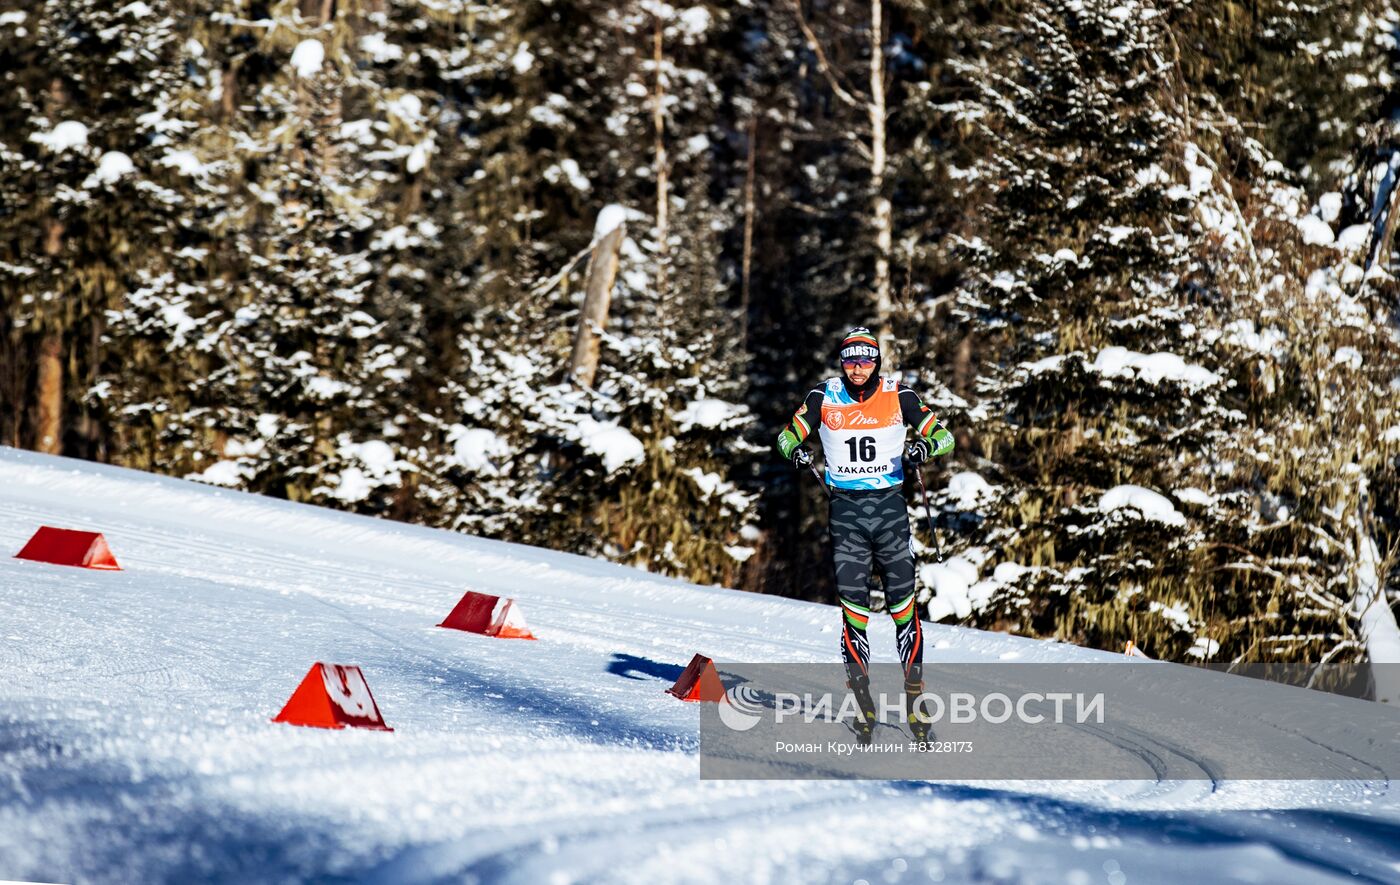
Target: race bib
(863,442)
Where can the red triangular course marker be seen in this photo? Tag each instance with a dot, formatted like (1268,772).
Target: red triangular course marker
(496,616)
(698,682)
(333,696)
(69,547)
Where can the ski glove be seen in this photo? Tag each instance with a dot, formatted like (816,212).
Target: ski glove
(917,451)
(801,458)
(940,442)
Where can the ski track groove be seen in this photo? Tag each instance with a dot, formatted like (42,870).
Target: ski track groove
(559,611)
(299,573)
(1159,789)
(296,575)
(292,571)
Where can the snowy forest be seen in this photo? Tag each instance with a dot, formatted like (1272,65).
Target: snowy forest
(558,273)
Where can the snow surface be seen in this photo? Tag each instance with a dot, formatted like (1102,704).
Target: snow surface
(376,467)
(1041,366)
(708,413)
(711,484)
(111,167)
(610,219)
(1203,648)
(568,169)
(695,20)
(1120,362)
(476,448)
(1147,502)
(523,60)
(186,162)
(1193,495)
(967,489)
(418,157)
(407,107)
(221,473)
(1241,333)
(307,58)
(1153,367)
(1329,206)
(952,581)
(1378,627)
(1349,357)
(378,48)
(135,741)
(65,136)
(1354,238)
(616,445)
(1315,231)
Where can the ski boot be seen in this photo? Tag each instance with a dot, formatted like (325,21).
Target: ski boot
(916,715)
(864,727)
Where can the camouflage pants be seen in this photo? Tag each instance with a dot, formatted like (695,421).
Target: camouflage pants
(870,529)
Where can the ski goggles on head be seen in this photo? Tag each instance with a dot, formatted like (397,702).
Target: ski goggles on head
(857,362)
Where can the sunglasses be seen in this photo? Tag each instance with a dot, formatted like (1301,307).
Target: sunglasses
(859,362)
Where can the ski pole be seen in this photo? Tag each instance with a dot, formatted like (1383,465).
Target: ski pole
(821,482)
(928,514)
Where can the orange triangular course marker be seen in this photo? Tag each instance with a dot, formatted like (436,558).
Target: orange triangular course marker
(698,682)
(69,547)
(333,696)
(497,616)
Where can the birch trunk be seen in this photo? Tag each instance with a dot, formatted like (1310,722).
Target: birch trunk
(1383,239)
(1379,632)
(663,182)
(749,175)
(593,318)
(884,216)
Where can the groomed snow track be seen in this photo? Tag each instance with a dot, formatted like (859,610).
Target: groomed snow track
(135,741)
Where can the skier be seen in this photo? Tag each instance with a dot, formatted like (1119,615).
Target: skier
(863,416)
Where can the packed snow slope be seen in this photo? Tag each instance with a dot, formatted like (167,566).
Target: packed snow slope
(136,746)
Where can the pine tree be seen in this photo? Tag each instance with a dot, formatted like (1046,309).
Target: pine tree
(85,178)
(1105,389)
(671,359)
(1290,507)
(1306,74)
(526,452)
(335,252)
(291,387)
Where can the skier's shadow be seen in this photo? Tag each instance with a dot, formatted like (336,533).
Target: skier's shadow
(634,667)
(1304,835)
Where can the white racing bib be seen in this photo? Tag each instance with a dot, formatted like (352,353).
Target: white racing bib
(863,442)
